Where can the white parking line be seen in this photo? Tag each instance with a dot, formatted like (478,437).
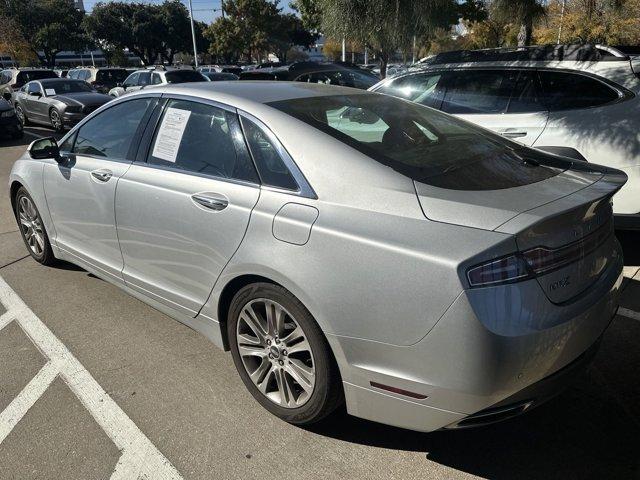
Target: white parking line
(139,457)
(625,312)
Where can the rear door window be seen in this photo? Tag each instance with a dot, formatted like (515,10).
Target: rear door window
(479,91)
(567,91)
(526,95)
(144,78)
(200,138)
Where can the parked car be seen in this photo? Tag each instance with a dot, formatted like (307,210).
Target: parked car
(220,76)
(10,126)
(314,72)
(235,69)
(58,102)
(152,78)
(12,79)
(102,79)
(581,101)
(342,244)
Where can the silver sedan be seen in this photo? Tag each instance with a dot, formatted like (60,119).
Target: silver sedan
(345,246)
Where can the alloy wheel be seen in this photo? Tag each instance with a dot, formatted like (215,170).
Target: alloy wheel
(20,114)
(275,353)
(31,225)
(56,123)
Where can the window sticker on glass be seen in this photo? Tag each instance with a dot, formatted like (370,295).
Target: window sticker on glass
(170,134)
(50,91)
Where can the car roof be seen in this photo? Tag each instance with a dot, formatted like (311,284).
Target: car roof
(241,94)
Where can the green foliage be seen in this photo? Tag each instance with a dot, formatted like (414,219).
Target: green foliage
(49,26)
(523,12)
(310,13)
(252,28)
(152,32)
(385,26)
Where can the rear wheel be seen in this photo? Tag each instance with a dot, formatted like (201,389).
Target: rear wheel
(32,229)
(281,354)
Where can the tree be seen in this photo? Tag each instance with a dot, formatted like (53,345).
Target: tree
(49,26)
(310,13)
(287,32)
(524,12)
(12,42)
(385,26)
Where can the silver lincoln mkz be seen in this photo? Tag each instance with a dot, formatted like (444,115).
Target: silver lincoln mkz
(344,245)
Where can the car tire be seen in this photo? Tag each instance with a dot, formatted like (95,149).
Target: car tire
(32,228)
(276,379)
(56,120)
(22,117)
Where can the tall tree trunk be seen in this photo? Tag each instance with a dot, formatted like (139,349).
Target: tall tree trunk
(525,34)
(384,61)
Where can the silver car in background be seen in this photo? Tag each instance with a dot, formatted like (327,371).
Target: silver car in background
(345,246)
(58,102)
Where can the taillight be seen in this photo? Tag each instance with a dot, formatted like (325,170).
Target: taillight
(536,261)
(504,270)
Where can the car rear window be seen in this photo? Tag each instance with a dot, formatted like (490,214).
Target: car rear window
(184,76)
(28,75)
(113,75)
(423,144)
(566,91)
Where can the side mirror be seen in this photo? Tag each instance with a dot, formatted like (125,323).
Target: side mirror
(35,94)
(44,148)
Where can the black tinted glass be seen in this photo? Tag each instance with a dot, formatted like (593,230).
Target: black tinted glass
(184,76)
(343,78)
(111,75)
(423,144)
(111,133)
(565,91)
(525,97)
(57,87)
(272,168)
(200,138)
(28,75)
(473,91)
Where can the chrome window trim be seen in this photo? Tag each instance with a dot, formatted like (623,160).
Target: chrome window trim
(304,188)
(206,101)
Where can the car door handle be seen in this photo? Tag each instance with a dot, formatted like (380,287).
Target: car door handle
(102,175)
(513,134)
(211,202)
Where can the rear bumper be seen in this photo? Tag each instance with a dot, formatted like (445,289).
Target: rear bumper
(493,348)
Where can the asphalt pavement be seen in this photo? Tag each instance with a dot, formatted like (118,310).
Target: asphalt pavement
(94,384)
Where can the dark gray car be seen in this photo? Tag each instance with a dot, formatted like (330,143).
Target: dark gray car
(59,102)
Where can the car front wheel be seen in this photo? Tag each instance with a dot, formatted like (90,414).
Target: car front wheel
(22,117)
(281,354)
(56,120)
(32,229)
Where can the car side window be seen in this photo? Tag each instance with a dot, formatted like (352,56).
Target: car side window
(566,91)
(199,138)
(110,133)
(131,80)
(156,79)
(4,78)
(479,91)
(425,89)
(271,167)
(144,78)
(33,87)
(526,95)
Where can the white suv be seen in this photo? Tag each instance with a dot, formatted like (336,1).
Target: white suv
(577,101)
(152,77)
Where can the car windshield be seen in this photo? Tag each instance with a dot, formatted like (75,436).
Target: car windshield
(423,144)
(184,76)
(65,86)
(112,75)
(28,75)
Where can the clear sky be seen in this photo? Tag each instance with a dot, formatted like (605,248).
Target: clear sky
(203,10)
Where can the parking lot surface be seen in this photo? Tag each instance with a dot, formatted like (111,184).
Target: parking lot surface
(96,384)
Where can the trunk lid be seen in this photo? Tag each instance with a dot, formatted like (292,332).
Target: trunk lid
(563,225)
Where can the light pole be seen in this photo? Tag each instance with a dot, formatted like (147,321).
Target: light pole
(193,35)
(344,49)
